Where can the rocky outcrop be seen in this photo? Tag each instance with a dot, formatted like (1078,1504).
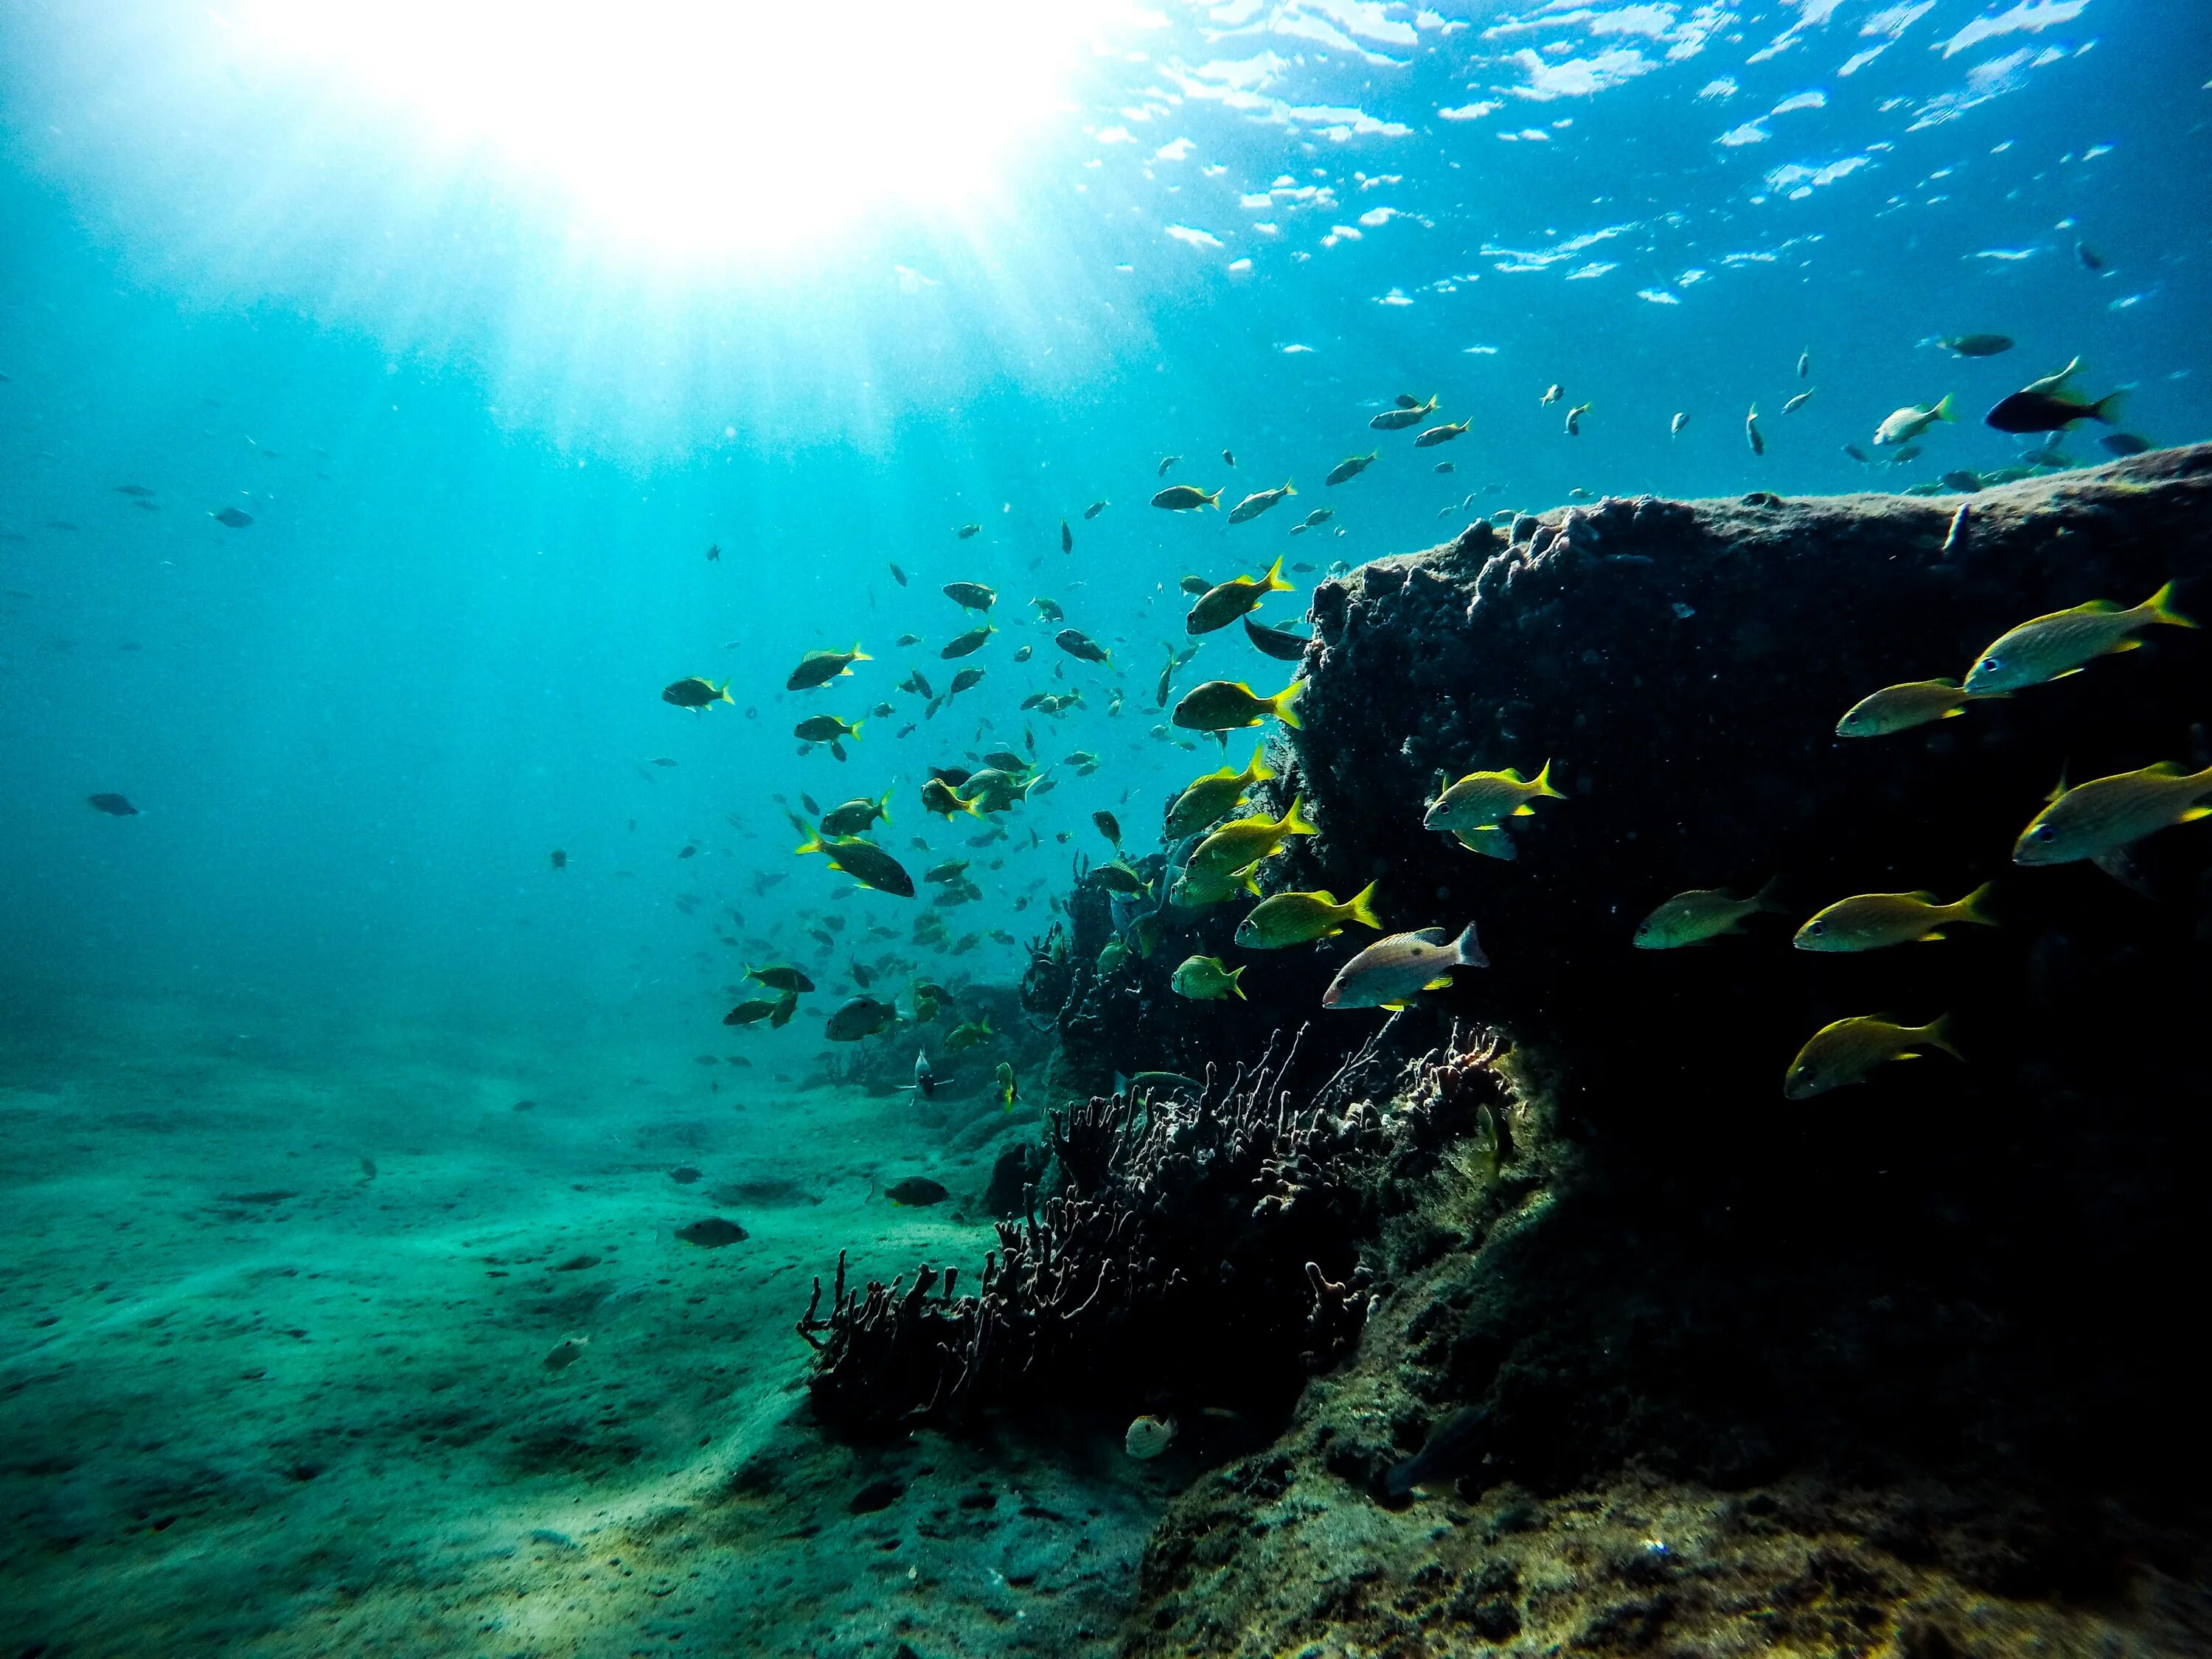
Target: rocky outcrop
(1898,1364)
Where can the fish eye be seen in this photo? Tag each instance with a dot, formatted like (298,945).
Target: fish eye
(2043,832)
(1988,664)
(1816,927)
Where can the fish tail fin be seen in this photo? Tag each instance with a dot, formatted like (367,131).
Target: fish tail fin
(1259,771)
(858,655)
(1362,906)
(1234,985)
(2107,407)
(813,842)
(1769,897)
(1542,786)
(1273,582)
(1937,1035)
(1281,701)
(1214,499)
(1432,403)
(853,730)
(1468,949)
(2159,608)
(1289,488)
(1975,906)
(722,691)
(1295,821)
(883,805)
(1942,409)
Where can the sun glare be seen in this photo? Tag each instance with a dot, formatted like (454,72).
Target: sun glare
(685,126)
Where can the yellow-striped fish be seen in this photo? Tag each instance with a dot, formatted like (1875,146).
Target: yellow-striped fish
(1901,708)
(2106,814)
(2051,648)
(1846,1050)
(1874,921)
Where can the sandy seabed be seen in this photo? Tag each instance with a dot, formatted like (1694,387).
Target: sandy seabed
(274,1335)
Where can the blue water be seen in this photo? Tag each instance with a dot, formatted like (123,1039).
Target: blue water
(485,447)
(487,421)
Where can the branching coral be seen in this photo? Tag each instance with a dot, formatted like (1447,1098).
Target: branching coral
(1200,1248)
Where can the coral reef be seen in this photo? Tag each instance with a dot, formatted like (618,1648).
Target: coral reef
(1187,1250)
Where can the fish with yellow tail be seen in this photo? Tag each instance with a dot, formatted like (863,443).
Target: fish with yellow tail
(697,693)
(1875,921)
(863,860)
(1242,843)
(1900,708)
(1844,1051)
(1699,917)
(1442,434)
(1289,919)
(1227,705)
(1222,604)
(2051,648)
(1482,800)
(1903,425)
(1186,498)
(1408,413)
(1390,972)
(2097,818)
(1207,979)
(1209,799)
(1008,1092)
(820,667)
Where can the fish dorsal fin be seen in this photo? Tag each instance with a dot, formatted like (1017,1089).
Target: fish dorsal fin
(2095,608)
(1512,774)
(1428,935)
(2165,769)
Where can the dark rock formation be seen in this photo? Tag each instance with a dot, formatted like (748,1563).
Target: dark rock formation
(1907,1342)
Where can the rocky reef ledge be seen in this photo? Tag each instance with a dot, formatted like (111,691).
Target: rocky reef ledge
(1652,1358)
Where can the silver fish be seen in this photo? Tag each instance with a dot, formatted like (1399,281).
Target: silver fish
(1390,971)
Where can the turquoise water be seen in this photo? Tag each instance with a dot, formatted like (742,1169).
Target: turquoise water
(492,332)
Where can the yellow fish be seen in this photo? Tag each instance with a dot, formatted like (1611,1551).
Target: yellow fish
(1224,705)
(1211,796)
(1481,801)
(1700,914)
(1873,921)
(1901,708)
(1195,888)
(1845,1051)
(2106,814)
(1219,606)
(2051,648)
(1205,978)
(1242,843)
(1302,918)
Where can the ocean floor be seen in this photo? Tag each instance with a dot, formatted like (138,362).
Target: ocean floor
(275,1337)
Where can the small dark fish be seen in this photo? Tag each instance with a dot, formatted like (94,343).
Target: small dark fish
(965,678)
(138,492)
(2090,259)
(231,516)
(1109,826)
(1278,642)
(1066,537)
(1166,461)
(972,641)
(863,1016)
(2123,443)
(684,1174)
(689,853)
(1976,345)
(696,693)
(1858,454)
(664,760)
(1080,645)
(2049,411)
(968,530)
(714,553)
(1351,466)
(1751,434)
(1960,479)
(916,1191)
(1094,509)
(1228,460)
(116,806)
(1452,1450)
(560,858)
(898,576)
(712,1233)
